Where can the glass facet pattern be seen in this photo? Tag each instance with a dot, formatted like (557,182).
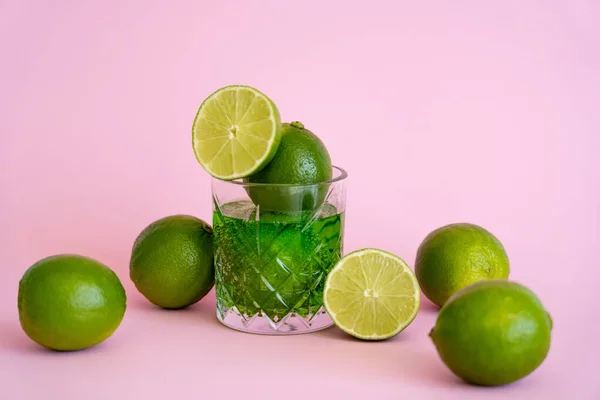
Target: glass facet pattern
(271,266)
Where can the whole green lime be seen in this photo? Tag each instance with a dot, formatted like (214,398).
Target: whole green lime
(456,255)
(172,261)
(69,302)
(493,332)
(300,160)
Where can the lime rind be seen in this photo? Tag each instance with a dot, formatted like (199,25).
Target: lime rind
(350,294)
(236,132)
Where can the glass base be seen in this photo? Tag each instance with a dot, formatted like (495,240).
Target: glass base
(291,324)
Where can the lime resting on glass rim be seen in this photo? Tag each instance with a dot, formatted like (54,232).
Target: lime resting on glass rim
(492,332)
(372,294)
(236,132)
(296,179)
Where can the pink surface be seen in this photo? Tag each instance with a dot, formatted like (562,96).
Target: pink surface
(485,112)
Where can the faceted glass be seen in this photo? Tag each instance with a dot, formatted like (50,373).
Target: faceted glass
(274,245)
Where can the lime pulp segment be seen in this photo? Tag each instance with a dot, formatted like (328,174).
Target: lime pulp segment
(372,294)
(236,132)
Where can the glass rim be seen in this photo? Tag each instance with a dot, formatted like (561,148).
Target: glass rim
(341,175)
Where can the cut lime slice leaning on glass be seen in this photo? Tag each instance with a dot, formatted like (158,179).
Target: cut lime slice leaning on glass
(372,294)
(236,132)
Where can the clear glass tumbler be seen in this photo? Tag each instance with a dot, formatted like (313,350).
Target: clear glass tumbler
(274,245)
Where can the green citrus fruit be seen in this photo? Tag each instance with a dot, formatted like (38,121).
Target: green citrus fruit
(172,261)
(236,132)
(70,302)
(301,160)
(456,255)
(492,332)
(371,294)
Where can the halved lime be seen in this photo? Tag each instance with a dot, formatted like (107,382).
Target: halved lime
(372,294)
(236,132)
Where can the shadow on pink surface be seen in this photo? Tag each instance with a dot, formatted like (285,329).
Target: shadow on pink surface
(427,307)
(202,313)
(337,334)
(15,341)
(148,334)
(394,359)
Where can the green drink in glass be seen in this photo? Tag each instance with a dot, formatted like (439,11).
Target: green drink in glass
(271,266)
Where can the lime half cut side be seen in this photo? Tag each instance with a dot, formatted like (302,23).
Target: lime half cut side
(372,294)
(236,132)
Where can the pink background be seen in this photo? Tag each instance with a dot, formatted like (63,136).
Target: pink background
(485,112)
